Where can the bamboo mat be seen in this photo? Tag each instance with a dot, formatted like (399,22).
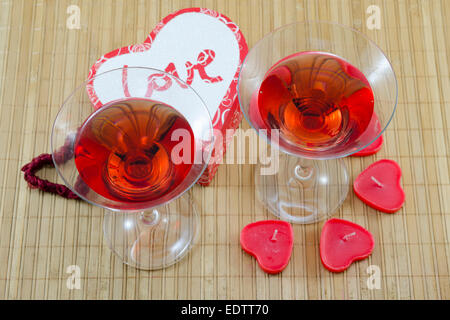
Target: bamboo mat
(41,62)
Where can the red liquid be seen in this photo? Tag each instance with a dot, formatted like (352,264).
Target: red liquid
(318,101)
(123,150)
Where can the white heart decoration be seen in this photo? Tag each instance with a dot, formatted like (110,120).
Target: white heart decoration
(200,46)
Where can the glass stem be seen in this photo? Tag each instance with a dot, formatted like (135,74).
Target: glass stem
(150,218)
(303,174)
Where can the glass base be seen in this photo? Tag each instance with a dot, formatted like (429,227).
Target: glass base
(303,191)
(153,239)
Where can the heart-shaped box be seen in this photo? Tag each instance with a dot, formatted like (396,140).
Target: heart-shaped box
(203,48)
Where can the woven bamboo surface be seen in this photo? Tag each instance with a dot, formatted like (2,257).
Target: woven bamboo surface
(41,62)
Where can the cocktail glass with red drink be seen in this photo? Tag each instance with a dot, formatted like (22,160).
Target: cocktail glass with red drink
(134,148)
(314,90)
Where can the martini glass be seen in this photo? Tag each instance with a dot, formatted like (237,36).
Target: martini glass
(317,91)
(133,141)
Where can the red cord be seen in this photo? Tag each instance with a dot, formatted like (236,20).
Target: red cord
(38,163)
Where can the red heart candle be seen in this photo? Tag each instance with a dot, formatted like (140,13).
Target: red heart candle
(343,242)
(270,242)
(379,186)
(374,129)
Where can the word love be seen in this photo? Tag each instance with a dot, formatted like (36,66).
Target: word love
(161,81)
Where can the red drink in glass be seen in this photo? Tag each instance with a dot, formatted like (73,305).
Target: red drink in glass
(123,150)
(317,100)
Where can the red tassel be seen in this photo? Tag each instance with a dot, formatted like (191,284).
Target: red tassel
(34,181)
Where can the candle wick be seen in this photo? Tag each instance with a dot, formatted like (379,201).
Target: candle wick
(274,236)
(379,184)
(348,236)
